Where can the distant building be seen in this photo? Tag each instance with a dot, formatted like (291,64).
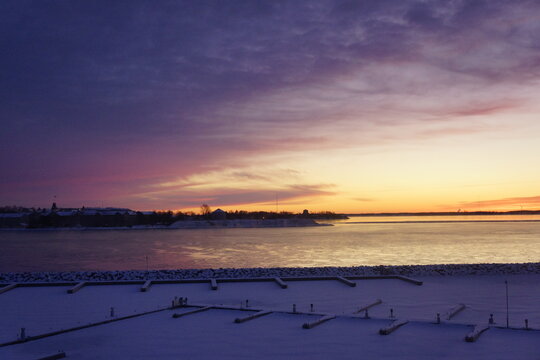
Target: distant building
(106,217)
(218,214)
(56,217)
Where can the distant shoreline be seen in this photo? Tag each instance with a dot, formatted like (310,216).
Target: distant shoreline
(255,224)
(192,224)
(440,221)
(453,213)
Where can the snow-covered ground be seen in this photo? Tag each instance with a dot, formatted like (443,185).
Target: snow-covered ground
(213,333)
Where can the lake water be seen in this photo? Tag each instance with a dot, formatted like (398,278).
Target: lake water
(356,241)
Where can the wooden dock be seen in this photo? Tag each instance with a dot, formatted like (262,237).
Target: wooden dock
(59,332)
(346,281)
(392,327)
(77,287)
(409,280)
(280,282)
(146,286)
(454,311)
(258,314)
(364,308)
(475,334)
(8,287)
(59,355)
(177,315)
(321,320)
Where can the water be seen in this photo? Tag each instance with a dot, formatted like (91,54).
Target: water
(357,241)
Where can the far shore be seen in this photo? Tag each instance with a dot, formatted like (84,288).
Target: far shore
(193,224)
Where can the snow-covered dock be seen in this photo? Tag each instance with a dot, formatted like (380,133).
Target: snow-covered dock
(212,281)
(121,321)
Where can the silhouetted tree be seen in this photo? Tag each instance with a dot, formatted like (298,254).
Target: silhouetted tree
(205,210)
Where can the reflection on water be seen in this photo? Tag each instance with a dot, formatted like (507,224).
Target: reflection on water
(348,243)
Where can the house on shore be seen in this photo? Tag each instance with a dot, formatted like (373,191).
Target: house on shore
(218,214)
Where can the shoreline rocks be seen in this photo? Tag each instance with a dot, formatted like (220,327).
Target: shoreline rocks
(407,270)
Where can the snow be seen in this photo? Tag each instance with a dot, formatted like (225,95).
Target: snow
(213,333)
(13,215)
(67,213)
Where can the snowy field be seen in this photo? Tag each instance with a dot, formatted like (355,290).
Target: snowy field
(212,334)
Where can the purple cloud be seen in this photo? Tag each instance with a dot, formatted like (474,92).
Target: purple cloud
(234,197)
(526,201)
(105,98)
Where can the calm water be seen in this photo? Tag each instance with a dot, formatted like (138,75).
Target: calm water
(357,241)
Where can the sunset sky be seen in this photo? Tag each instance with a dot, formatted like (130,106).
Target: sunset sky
(347,106)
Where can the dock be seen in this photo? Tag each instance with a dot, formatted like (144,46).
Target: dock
(258,314)
(475,334)
(280,282)
(7,288)
(177,315)
(321,320)
(364,308)
(392,327)
(454,311)
(146,286)
(77,287)
(346,281)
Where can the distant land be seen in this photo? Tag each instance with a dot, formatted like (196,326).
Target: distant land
(453,213)
(15,217)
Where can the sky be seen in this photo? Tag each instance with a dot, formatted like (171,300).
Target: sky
(345,106)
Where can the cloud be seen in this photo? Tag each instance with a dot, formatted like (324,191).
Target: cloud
(100,92)
(488,109)
(528,201)
(242,176)
(362,199)
(233,197)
